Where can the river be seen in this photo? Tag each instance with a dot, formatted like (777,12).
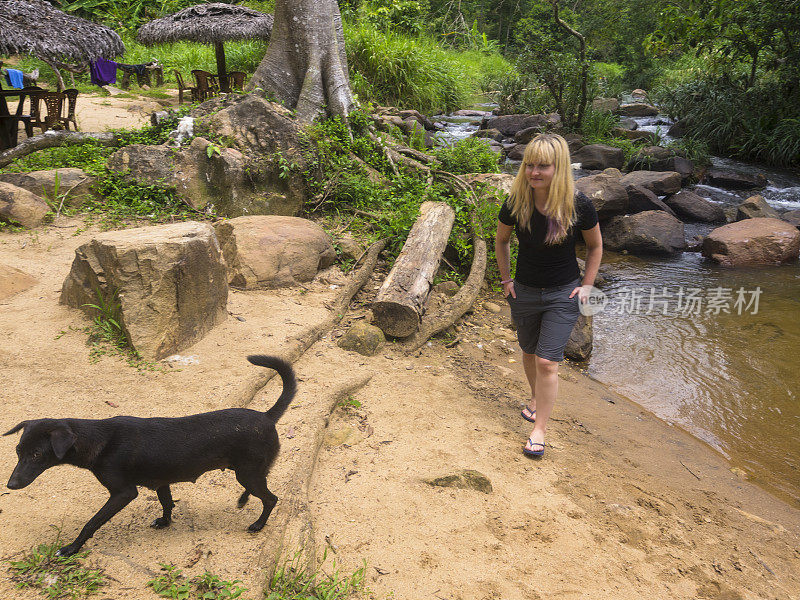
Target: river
(712,350)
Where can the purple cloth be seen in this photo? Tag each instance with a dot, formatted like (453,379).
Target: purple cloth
(103,71)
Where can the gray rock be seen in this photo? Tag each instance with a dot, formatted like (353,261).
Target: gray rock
(641,199)
(269,251)
(579,345)
(74,186)
(574,141)
(509,125)
(605,105)
(606,193)
(638,109)
(628,123)
(792,217)
(517,152)
(752,242)
(170,282)
(526,135)
(734,181)
(756,207)
(349,248)
(660,183)
(492,307)
(363,338)
(649,232)
(599,156)
(20,207)
(466,479)
(492,134)
(637,135)
(677,129)
(692,207)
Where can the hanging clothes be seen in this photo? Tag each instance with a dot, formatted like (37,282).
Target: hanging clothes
(103,72)
(14,78)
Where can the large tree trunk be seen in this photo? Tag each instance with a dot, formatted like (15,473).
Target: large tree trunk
(305,67)
(400,302)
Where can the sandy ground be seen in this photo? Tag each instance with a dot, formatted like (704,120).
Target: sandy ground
(621,506)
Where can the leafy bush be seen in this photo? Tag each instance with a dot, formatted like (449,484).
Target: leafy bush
(471,155)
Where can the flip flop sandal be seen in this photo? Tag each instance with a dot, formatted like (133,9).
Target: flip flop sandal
(527,452)
(532,418)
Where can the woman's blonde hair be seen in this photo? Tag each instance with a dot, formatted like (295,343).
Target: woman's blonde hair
(546,149)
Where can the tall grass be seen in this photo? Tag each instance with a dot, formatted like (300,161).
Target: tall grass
(414,72)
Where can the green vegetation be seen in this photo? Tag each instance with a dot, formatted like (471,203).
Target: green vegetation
(54,576)
(292,581)
(471,155)
(173,584)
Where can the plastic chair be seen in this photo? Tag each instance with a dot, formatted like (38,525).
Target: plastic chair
(71,96)
(236,80)
(54,103)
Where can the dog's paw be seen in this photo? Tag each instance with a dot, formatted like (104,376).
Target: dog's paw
(160,523)
(68,550)
(255,527)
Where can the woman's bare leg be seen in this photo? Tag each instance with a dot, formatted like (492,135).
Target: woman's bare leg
(546,390)
(529,364)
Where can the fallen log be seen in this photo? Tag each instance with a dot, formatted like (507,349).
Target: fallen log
(400,302)
(54,139)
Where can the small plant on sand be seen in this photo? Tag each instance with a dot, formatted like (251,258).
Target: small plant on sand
(293,581)
(56,577)
(173,584)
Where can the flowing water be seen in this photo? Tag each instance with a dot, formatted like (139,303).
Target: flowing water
(712,350)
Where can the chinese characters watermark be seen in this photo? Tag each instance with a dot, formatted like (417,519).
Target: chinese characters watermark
(677,301)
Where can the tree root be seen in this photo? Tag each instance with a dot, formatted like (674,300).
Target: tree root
(292,517)
(294,348)
(54,139)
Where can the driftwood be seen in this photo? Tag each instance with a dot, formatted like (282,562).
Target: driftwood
(400,302)
(295,347)
(53,139)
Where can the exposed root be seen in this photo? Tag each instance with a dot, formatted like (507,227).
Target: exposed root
(296,346)
(54,139)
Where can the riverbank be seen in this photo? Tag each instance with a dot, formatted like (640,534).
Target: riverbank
(621,506)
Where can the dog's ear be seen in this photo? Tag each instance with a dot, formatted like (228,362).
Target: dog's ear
(62,439)
(16,428)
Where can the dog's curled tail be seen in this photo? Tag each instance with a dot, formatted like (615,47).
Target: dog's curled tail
(286,372)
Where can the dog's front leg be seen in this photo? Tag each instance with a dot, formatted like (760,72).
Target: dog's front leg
(119,499)
(165,497)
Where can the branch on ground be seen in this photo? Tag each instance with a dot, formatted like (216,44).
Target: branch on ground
(55,139)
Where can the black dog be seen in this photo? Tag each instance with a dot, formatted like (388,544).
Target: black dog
(126,452)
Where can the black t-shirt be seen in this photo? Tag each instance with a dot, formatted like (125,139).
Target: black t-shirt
(548,265)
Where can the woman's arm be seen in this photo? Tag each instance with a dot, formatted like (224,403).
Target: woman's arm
(502,251)
(594,253)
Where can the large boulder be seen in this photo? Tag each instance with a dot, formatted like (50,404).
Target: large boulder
(599,156)
(21,207)
(265,251)
(517,152)
(732,180)
(641,199)
(756,207)
(13,281)
(256,168)
(649,232)
(363,338)
(168,281)
(70,184)
(638,109)
(606,193)
(491,134)
(692,207)
(502,182)
(758,241)
(660,183)
(634,135)
(509,125)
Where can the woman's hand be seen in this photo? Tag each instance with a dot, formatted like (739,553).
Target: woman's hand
(583,292)
(508,289)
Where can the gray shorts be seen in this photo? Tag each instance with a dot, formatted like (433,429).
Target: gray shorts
(545,318)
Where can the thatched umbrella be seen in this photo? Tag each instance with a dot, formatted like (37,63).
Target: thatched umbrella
(35,27)
(209,23)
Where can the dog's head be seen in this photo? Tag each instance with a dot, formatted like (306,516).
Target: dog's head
(43,444)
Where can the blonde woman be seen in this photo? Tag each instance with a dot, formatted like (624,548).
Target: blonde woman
(546,215)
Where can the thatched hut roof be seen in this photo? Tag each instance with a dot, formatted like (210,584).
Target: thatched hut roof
(35,27)
(207,23)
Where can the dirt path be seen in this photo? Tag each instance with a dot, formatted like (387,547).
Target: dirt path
(621,506)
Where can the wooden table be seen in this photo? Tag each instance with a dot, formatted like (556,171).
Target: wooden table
(9,124)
